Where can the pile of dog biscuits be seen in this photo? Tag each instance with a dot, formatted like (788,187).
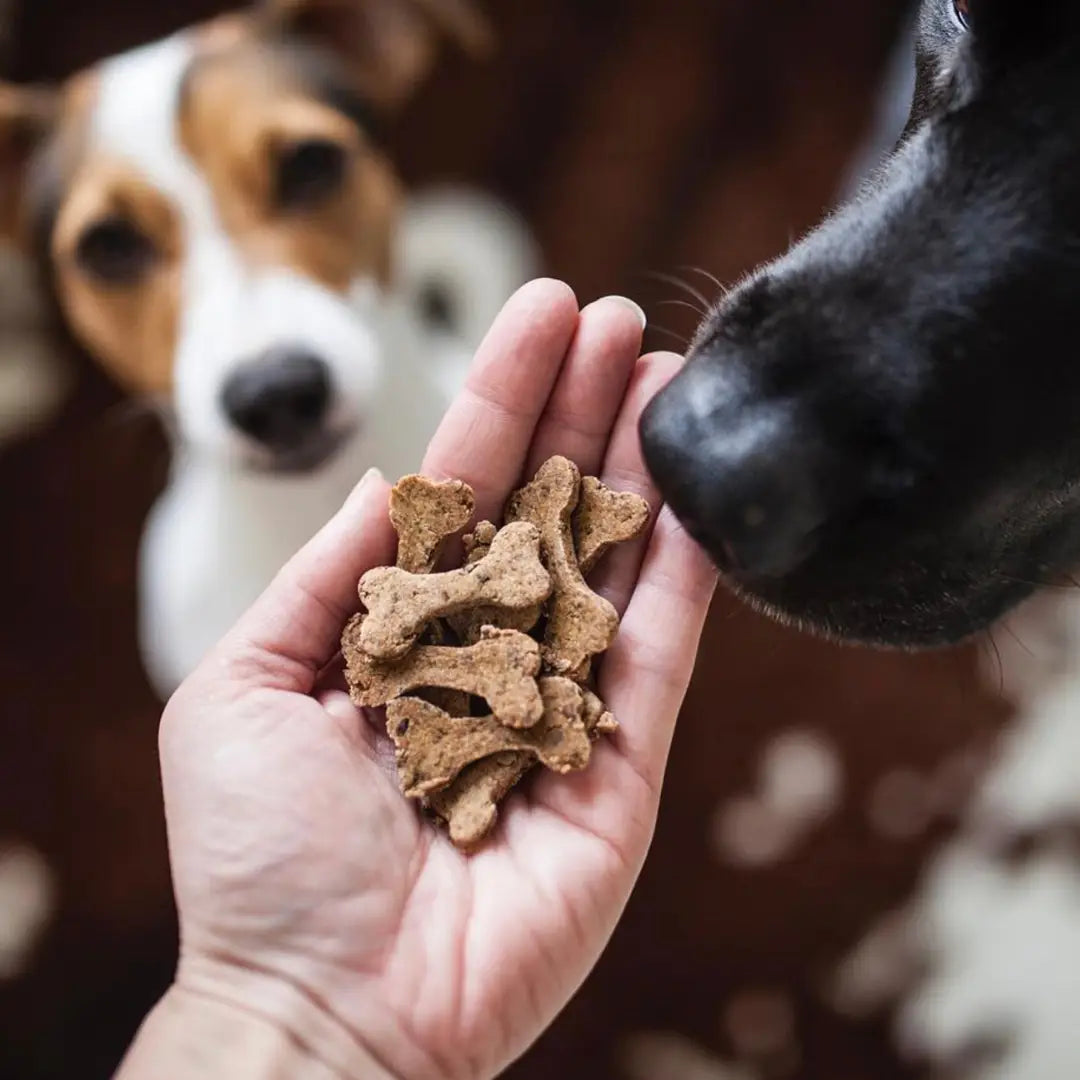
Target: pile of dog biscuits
(485,670)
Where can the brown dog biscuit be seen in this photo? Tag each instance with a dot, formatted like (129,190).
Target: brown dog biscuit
(432,748)
(452,640)
(468,625)
(599,720)
(425,515)
(580,624)
(501,668)
(399,604)
(470,805)
(477,542)
(604,518)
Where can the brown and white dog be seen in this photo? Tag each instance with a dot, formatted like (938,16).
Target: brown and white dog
(223,232)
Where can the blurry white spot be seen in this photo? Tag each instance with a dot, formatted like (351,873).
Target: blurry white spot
(760,1024)
(1006,949)
(1037,779)
(1001,939)
(670,1056)
(900,805)
(749,832)
(800,784)
(27,897)
(468,245)
(801,775)
(880,968)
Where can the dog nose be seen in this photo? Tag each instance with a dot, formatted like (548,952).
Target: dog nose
(738,470)
(279,399)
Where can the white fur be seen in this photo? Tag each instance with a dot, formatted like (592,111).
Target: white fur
(231,311)
(221,530)
(218,535)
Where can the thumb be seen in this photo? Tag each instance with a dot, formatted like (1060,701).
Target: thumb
(293,630)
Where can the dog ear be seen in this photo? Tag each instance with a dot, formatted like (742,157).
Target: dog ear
(388,45)
(27,116)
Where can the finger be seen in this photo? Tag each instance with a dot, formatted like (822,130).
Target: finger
(645,675)
(624,470)
(585,402)
(485,435)
(643,680)
(340,709)
(293,630)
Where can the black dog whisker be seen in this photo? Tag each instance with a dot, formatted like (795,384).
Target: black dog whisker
(1068,582)
(989,636)
(672,279)
(1016,637)
(682,339)
(684,304)
(721,288)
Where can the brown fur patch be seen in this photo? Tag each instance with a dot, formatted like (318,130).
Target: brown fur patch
(237,149)
(130,329)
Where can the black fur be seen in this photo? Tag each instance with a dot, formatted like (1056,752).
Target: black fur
(878,436)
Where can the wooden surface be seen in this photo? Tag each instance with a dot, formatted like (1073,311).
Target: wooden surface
(641,137)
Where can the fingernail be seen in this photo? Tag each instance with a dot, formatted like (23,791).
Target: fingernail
(371,477)
(634,307)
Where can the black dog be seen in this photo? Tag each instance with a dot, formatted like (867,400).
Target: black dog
(878,436)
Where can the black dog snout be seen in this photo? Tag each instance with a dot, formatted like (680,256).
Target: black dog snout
(738,469)
(280,399)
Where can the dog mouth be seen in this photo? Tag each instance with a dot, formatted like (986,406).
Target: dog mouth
(308,457)
(917,564)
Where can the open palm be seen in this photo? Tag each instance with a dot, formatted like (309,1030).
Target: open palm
(309,890)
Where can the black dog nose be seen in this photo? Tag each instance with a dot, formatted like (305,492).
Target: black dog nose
(279,399)
(737,469)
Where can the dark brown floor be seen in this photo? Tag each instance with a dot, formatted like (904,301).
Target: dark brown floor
(639,136)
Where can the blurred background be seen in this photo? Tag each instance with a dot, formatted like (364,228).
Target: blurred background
(643,141)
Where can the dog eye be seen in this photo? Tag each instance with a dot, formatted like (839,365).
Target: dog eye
(309,172)
(963,12)
(115,251)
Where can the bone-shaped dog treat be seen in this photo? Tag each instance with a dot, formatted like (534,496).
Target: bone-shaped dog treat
(580,623)
(468,625)
(401,604)
(604,518)
(454,702)
(433,748)
(501,668)
(470,805)
(478,542)
(425,515)
(599,720)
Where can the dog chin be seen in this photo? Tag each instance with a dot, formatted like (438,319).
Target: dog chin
(885,618)
(314,455)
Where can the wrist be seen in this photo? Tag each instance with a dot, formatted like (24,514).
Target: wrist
(200,1032)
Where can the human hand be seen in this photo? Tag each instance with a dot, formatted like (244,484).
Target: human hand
(313,898)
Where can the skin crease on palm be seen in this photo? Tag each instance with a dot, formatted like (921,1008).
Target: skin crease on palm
(311,893)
